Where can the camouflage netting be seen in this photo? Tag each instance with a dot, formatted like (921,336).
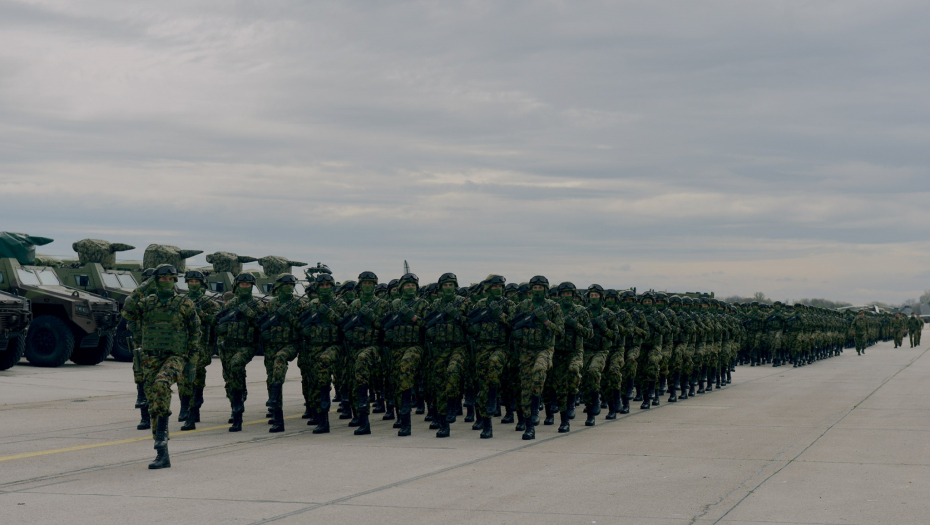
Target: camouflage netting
(157,254)
(99,251)
(48,260)
(274,265)
(228,262)
(21,246)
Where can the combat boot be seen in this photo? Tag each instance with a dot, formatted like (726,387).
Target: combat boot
(508,414)
(595,406)
(655,396)
(378,406)
(344,410)
(639,394)
(189,424)
(237,410)
(277,394)
(624,404)
(692,382)
(354,422)
(198,402)
(146,422)
(307,413)
(709,379)
(663,383)
(388,413)
(487,431)
(729,377)
(521,422)
(364,427)
(614,405)
(432,415)
(161,444)
(421,405)
(672,395)
(140,395)
(444,429)
(185,408)
(550,418)
(534,411)
(571,407)
(530,432)
(453,409)
(322,420)
(406,402)
(566,423)
(647,400)
(470,415)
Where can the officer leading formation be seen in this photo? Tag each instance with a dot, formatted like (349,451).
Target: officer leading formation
(495,349)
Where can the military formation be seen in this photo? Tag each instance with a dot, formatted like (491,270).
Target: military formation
(526,353)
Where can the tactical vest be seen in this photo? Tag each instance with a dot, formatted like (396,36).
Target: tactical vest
(324,333)
(361,336)
(163,327)
(449,332)
(284,333)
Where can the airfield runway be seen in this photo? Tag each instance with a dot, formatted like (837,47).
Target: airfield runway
(842,441)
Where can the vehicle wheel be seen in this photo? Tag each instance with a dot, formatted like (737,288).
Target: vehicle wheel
(13,353)
(93,355)
(49,341)
(121,347)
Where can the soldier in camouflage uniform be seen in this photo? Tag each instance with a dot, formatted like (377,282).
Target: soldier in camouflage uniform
(280,331)
(603,361)
(689,325)
(679,343)
(568,358)
(147,287)
(170,335)
(656,328)
(403,352)
(914,326)
(536,323)
(861,327)
(321,351)
(363,338)
(448,354)
(191,391)
(489,328)
(237,326)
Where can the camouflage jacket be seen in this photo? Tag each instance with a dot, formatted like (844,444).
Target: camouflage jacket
(326,332)
(451,330)
(539,335)
(169,326)
(244,331)
(367,331)
(287,329)
(578,327)
(494,331)
(207,309)
(409,330)
(605,330)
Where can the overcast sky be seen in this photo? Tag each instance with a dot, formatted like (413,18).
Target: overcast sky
(732,147)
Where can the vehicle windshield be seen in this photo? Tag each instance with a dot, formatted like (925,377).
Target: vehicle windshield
(127,280)
(48,277)
(111,281)
(27,277)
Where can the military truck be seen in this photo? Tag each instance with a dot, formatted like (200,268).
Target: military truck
(67,323)
(15,315)
(225,266)
(94,271)
(272,267)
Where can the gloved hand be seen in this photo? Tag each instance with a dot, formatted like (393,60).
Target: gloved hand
(366,312)
(406,312)
(244,308)
(602,324)
(541,315)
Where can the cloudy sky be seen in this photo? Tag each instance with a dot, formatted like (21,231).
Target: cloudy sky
(719,146)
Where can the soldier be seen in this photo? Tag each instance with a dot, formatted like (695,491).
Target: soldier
(320,354)
(690,327)
(603,363)
(147,287)
(170,335)
(488,325)
(568,359)
(406,350)
(635,321)
(898,326)
(238,327)
(191,391)
(448,354)
(281,332)
(363,336)
(651,350)
(536,322)
(914,326)
(861,327)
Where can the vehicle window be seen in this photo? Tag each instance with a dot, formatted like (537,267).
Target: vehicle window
(48,278)
(267,287)
(111,281)
(299,289)
(27,277)
(216,286)
(127,280)
(255,290)
(182,284)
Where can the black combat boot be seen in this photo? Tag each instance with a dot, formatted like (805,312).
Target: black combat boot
(534,411)
(308,414)
(470,408)
(509,410)
(185,408)
(663,383)
(421,405)
(672,395)
(238,408)
(639,394)
(487,430)
(550,410)
(189,423)
(444,428)
(146,422)
(647,400)
(198,402)
(161,444)
(140,395)
(277,394)
(685,383)
(615,405)
(566,423)
(729,376)
(624,403)
(530,432)
(403,416)
(432,415)
(655,395)
(521,422)
(693,381)
(364,427)
(378,407)
(492,406)
(595,406)
(345,410)
(354,422)
(455,406)
(388,413)
(571,407)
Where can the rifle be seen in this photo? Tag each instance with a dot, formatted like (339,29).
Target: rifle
(308,319)
(231,314)
(272,319)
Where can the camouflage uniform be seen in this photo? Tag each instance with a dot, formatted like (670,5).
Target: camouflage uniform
(535,345)
(191,388)
(448,354)
(282,342)
(492,354)
(363,339)
(568,359)
(321,353)
(238,344)
(603,366)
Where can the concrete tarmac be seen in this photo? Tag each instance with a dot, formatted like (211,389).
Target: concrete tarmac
(841,441)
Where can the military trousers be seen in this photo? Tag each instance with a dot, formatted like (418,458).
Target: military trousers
(448,366)
(319,362)
(491,360)
(650,359)
(281,355)
(612,378)
(534,365)
(235,358)
(364,363)
(565,378)
(405,369)
(595,361)
(160,372)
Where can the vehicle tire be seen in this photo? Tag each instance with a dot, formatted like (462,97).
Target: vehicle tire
(13,353)
(93,355)
(49,341)
(121,347)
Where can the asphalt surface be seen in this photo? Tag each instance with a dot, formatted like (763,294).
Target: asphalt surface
(842,441)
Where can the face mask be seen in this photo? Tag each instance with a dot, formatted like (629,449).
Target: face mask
(448,291)
(567,301)
(660,306)
(367,288)
(349,296)
(408,293)
(326,294)
(194,288)
(243,292)
(539,295)
(165,288)
(648,307)
(285,291)
(594,301)
(676,307)
(494,292)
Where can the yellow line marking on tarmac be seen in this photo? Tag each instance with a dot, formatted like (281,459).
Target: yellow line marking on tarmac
(122,441)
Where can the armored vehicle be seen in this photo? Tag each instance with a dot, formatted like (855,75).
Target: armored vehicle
(225,267)
(94,271)
(67,323)
(272,267)
(15,315)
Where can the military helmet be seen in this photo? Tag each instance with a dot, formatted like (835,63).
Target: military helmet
(523,288)
(647,295)
(495,279)
(462,291)
(567,287)
(194,274)
(381,288)
(367,276)
(778,303)
(393,283)
(512,287)
(553,292)
(475,288)
(326,278)
(408,278)
(348,285)
(166,269)
(447,277)
(148,272)
(539,279)
(628,294)
(245,277)
(674,299)
(687,300)
(596,288)
(660,296)
(610,292)
(287,278)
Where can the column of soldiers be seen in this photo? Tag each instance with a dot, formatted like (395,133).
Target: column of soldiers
(494,349)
